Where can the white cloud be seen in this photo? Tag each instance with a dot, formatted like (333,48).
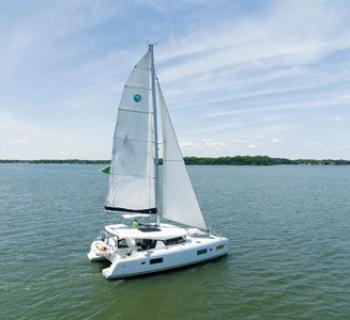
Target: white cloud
(339,119)
(22,41)
(216,144)
(314,102)
(343,147)
(222,77)
(19,141)
(186,143)
(240,141)
(314,144)
(211,58)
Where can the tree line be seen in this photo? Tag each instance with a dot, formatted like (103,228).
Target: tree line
(235,160)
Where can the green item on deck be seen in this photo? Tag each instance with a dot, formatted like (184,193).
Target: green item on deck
(135,224)
(106,169)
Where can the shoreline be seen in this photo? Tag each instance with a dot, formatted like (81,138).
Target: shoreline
(231,161)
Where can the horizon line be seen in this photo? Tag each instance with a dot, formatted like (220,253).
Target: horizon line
(2,160)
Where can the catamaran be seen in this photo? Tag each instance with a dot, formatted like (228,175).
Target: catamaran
(135,188)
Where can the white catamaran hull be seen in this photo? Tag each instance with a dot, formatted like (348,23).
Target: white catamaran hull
(193,251)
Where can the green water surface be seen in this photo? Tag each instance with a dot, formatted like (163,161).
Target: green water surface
(289,231)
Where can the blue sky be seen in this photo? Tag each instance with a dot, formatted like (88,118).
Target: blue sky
(239,77)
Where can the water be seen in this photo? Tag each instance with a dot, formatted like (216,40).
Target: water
(289,230)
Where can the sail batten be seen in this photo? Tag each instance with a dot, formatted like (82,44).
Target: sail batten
(130,110)
(136,87)
(179,200)
(131,186)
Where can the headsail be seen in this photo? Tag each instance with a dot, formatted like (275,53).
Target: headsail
(132,176)
(179,200)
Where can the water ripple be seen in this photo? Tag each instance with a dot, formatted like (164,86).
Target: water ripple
(289,230)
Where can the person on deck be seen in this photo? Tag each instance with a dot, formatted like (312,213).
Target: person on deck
(136,223)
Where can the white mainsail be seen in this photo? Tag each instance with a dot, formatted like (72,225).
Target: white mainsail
(132,176)
(179,200)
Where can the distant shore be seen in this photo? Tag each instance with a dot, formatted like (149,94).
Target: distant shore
(233,161)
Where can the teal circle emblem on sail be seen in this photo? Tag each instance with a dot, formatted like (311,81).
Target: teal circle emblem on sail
(137,98)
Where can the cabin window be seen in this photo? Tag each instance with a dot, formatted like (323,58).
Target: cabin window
(174,240)
(122,243)
(148,244)
(221,246)
(203,251)
(158,260)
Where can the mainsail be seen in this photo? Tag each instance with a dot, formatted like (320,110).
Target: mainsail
(132,176)
(133,171)
(179,200)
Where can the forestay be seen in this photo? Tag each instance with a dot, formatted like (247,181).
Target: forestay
(132,176)
(179,200)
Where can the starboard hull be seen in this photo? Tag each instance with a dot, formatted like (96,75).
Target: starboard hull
(173,268)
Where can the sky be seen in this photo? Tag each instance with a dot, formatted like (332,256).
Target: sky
(239,77)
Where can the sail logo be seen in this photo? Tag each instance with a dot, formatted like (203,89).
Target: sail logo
(137,98)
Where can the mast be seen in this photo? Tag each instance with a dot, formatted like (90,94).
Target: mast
(155,133)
